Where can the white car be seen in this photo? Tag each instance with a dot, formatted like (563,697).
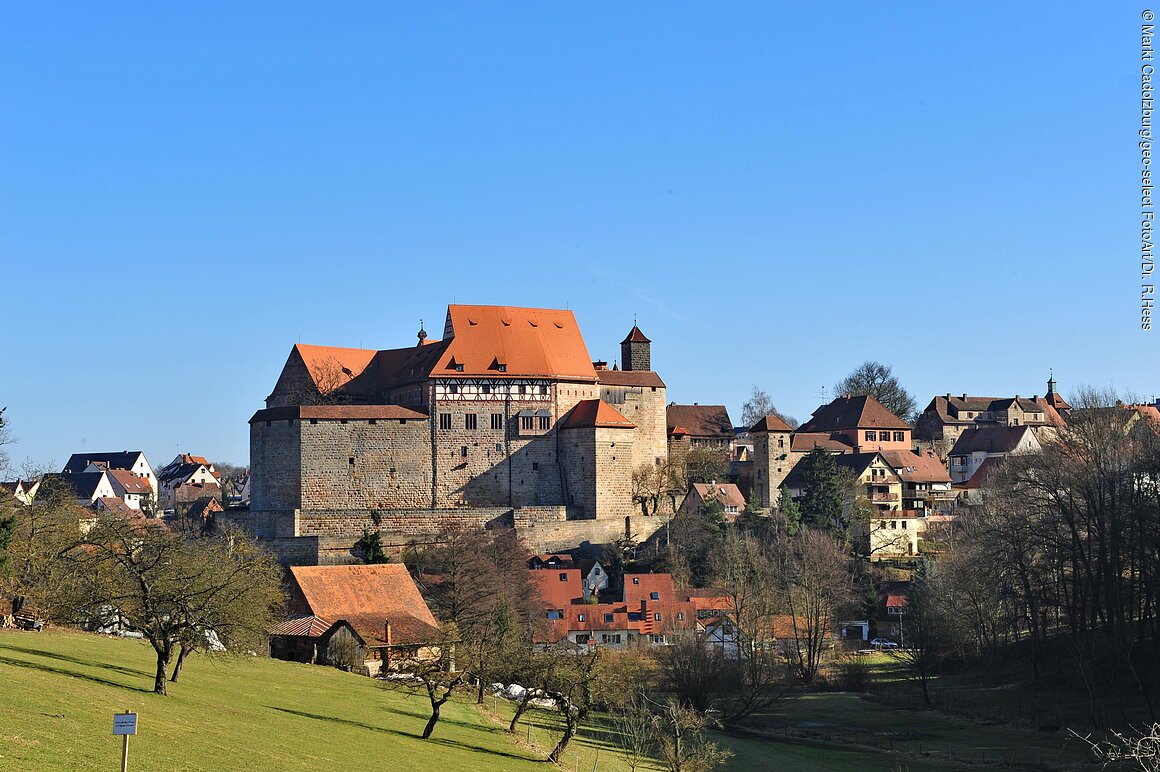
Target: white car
(883,643)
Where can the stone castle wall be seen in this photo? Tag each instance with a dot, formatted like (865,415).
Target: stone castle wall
(772,463)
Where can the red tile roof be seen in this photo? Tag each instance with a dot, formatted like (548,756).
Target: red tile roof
(640,378)
(727,493)
(858,412)
(595,413)
(332,367)
(557,592)
(770,423)
(916,468)
(309,626)
(131,483)
(530,342)
(709,421)
(807,441)
(638,587)
(635,336)
(366,596)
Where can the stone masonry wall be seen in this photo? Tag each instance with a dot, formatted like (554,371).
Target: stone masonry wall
(276,465)
(645,407)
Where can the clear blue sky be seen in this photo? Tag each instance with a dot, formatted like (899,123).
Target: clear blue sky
(779,193)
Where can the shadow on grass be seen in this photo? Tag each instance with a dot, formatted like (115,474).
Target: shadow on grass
(71,673)
(397,733)
(78,660)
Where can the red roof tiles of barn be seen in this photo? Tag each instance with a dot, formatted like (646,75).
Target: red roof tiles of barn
(596,413)
(366,596)
(308,626)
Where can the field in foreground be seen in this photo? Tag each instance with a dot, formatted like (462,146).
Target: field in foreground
(59,689)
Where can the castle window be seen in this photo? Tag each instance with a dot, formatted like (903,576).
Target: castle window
(527,422)
(458,368)
(523,389)
(351,460)
(497,420)
(501,368)
(372,421)
(463,451)
(871,436)
(545,422)
(444,420)
(470,421)
(485,388)
(453,389)
(543,389)
(313,420)
(535,466)
(498,449)
(780,442)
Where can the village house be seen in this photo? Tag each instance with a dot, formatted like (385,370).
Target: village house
(880,484)
(133,461)
(21,490)
(852,424)
(650,613)
(101,483)
(726,495)
(185,480)
(977,445)
(926,484)
(700,426)
(948,416)
(358,615)
(593,577)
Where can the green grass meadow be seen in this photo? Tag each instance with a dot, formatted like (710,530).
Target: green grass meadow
(60,689)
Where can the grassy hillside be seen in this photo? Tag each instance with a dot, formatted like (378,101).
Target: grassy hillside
(59,690)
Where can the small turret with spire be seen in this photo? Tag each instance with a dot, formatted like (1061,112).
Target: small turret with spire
(636,350)
(422,334)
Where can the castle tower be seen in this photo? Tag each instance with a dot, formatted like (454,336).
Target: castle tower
(636,351)
(772,459)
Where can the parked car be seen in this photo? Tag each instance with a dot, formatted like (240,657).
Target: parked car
(883,643)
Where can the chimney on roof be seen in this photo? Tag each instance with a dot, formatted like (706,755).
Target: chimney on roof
(964,397)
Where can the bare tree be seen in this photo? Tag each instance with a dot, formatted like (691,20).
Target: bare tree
(570,688)
(682,742)
(878,381)
(432,668)
(815,583)
(758,406)
(1141,748)
(173,589)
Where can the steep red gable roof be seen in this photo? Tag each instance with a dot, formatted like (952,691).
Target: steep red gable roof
(504,341)
(635,336)
(366,596)
(129,482)
(727,493)
(858,412)
(331,367)
(595,413)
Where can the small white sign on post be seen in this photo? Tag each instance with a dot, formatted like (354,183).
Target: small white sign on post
(124,723)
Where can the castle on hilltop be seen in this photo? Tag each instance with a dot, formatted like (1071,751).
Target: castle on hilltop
(504,421)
